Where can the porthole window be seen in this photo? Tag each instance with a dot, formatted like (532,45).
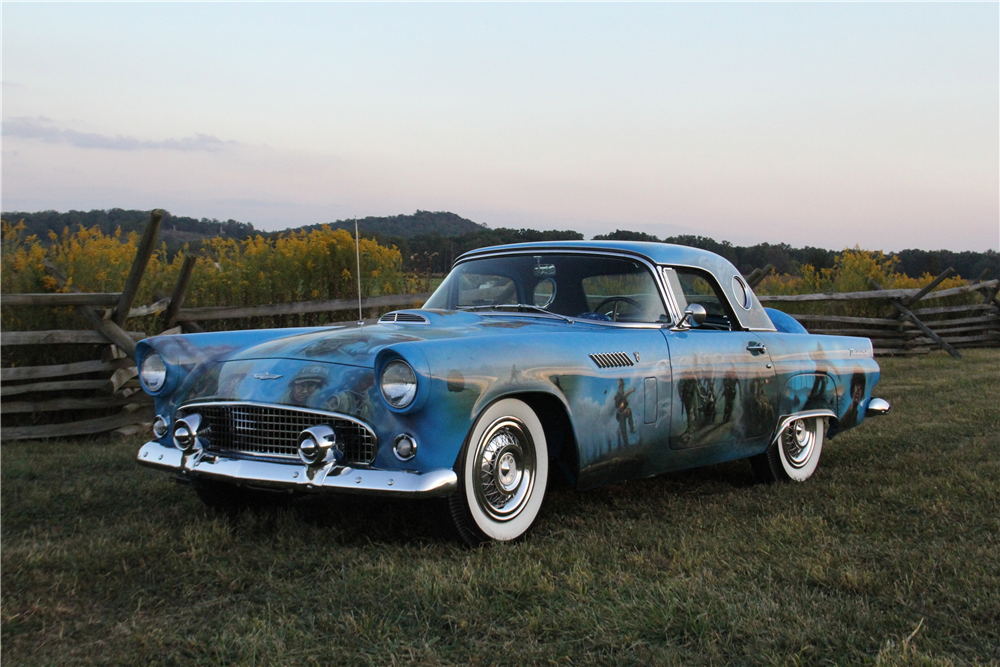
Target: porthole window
(742,293)
(545,292)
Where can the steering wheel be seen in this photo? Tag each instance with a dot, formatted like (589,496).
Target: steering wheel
(613,314)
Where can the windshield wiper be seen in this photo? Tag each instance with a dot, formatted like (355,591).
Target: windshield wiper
(521,307)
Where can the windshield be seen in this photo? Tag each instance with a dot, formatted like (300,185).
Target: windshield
(611,289)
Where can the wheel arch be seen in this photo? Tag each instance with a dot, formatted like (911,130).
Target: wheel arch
(785,420)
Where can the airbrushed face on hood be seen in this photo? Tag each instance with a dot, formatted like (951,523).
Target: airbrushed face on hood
(315,385)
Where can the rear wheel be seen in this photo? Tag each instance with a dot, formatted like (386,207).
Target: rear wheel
(794,455)
(503,472)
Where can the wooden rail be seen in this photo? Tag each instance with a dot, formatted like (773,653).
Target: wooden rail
(296,308)
(906,329)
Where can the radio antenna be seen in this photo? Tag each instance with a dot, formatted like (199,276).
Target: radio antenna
(357,246)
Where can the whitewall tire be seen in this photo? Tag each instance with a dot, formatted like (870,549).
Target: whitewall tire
(794,455)
(503,472)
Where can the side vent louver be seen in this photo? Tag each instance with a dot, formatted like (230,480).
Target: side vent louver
(611,359)
(398,317)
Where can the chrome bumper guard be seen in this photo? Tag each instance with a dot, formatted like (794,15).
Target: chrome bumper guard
(877,407)
(299,476)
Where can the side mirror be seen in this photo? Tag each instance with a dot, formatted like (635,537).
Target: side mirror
(694,316)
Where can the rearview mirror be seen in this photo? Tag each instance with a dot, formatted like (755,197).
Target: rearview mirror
(694,316)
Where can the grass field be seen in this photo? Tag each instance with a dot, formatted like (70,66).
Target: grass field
(888,555)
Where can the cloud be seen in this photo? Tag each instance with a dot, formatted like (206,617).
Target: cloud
(42,129)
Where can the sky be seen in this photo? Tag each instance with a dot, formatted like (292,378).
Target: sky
(823,124)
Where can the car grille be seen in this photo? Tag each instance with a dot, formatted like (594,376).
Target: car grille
(272,431)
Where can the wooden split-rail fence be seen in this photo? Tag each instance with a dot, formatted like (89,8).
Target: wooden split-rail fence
(99,395)
(910,323)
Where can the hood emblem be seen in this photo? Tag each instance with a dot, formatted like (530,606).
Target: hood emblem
(266,376)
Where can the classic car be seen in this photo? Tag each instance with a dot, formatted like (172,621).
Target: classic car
(584,362)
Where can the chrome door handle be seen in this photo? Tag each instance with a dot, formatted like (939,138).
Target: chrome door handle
(753,347)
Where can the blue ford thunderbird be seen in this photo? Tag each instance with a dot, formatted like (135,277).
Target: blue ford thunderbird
(591,361)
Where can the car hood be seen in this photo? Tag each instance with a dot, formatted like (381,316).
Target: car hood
(358,346)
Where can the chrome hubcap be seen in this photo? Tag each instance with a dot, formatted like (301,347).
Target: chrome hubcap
(798,441)
(506,469)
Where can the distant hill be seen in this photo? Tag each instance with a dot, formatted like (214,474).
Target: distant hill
(175,230)
(441,223)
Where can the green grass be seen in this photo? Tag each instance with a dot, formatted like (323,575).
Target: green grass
(888,555)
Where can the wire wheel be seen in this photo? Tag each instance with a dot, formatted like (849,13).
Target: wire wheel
(506,462)
(797,443)
(795,453)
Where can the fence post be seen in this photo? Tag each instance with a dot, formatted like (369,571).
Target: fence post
(920,325)
(142,255)
(109,329)
(931,285)
(757,275)
(177,298)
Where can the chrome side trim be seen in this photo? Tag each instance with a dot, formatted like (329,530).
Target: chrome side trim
(877,407)
(785,421)
(329,478)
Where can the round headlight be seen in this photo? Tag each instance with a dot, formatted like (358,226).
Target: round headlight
(153,373)
(399,384)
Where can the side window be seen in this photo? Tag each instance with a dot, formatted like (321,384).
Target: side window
(694,286)
(478,289)
(624,297)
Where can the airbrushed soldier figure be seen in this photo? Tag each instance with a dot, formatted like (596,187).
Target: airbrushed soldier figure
(857,393)
(730,387)
(624,412)
(688,390)
(306,382)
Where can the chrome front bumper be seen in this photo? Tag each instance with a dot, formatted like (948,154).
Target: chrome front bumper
(294,475)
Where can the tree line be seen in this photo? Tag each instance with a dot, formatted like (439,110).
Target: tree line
(429,242)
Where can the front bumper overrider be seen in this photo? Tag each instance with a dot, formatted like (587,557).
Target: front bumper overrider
(297,476)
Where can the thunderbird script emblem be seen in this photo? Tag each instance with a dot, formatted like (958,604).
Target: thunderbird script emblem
(266,376)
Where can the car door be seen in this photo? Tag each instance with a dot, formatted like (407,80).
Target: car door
(723,386)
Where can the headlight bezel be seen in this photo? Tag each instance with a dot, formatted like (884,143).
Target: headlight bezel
(402,375)
(161,373)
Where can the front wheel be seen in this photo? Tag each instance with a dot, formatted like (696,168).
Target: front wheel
(503,472)
(794,455)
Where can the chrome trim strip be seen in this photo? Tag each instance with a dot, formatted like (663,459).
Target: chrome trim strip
(292,408)
(785,421)
(330,478)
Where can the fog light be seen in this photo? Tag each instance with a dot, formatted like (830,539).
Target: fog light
(405,447)
(186,433)
(318,445)
(160,426)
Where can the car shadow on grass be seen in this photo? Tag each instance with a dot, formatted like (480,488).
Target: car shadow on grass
(350,520)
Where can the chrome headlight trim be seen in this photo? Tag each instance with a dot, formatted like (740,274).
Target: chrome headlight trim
(153,373)
(398,384)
